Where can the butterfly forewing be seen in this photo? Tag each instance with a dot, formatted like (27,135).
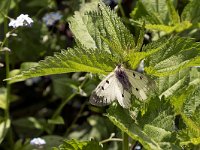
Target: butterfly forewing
(105,92)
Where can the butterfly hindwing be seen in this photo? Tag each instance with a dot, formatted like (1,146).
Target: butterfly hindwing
(139,84)
(106,91)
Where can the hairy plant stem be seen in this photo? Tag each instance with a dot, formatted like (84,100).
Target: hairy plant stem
(125,141)
(7,63)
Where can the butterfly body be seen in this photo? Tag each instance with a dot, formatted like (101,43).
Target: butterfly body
(122,77)
(120,85)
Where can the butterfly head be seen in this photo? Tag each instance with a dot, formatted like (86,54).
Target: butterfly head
(119,66)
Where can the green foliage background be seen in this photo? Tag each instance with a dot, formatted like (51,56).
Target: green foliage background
(103,38)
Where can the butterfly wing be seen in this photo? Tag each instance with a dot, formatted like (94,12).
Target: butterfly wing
(123,97)
(106,91)
(139,84)
(111,88)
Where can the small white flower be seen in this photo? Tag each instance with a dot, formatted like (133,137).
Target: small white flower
(138,147)
(37,142)
(51,18)
(22,20)
(5,49)
(1,65)
(10,34)
(45,38)
(147,37)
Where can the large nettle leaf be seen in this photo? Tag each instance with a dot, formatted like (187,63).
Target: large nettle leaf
(163,16)
(183,90)
(77,145)
(186,103)
(154,129)
(95,53)
(172,56)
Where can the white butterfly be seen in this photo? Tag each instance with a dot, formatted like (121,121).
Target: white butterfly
(119,85)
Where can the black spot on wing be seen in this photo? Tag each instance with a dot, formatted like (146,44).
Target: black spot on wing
(98,100)
(122,95)
(133,74)
(102,88)
(107,81)
(136,89)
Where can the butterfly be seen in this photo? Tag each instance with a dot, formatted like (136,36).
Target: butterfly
(120,85)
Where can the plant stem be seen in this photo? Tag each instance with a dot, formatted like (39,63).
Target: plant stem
(57,112)
(7,63)
(59,109)
(157,6)
(111,139)
(121,9)
(125,141)
(75,119)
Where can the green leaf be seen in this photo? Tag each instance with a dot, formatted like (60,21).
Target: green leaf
(3,8)
(80,30)
(177,54)
(30,126)
(159,16)
(173,14)
(154,128)
(193,127)
(170,85)
(116,30)
(186,103)
(124,122)
(195,141)
(79,145)
(72,60)
(52,141)
(159,113)
(150,11)
(4,126)
(140,39)
(185,97)
(160,27)
(191,12)
(81,25)
(157,133)
(2,98)
(169,29)
(57,120)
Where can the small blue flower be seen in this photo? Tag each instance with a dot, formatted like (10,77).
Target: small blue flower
(51,18)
